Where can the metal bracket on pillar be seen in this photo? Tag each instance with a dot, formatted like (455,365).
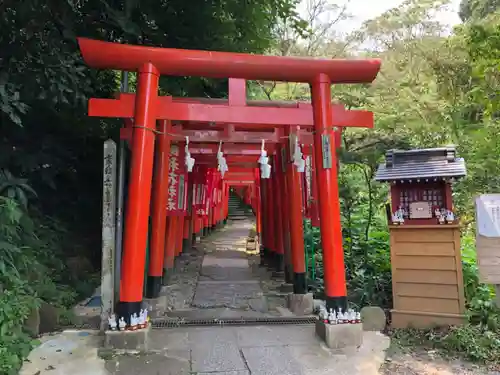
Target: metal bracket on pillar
(326,148)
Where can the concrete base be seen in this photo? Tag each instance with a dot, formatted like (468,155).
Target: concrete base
(286,288)
(301,304)
(133,341)
(342,337)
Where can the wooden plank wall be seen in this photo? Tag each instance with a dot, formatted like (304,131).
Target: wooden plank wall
(427,270)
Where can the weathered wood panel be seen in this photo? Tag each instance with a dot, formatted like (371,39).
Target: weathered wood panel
(426,275)
(424,290)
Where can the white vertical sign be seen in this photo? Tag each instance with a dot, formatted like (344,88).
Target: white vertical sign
(108,232)
(488,215)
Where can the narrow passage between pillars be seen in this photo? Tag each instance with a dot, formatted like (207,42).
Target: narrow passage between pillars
(328,195)
(139,195)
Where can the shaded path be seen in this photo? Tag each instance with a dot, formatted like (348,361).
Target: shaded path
(227,286)
(217,279)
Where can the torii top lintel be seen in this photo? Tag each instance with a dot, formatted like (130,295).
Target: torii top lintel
(178,62)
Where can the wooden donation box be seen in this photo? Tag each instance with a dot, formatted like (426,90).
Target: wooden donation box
(426,262)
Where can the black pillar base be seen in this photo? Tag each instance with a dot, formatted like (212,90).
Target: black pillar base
(166,276)
(336,303)
(279,262)
(153,286)
(288,274)
(193,238)
(126,309)
(271,260)
(225,221)
(186,244)
(299,283)
(263,255)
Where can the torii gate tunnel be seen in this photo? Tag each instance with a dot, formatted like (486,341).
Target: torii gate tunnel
(278,202)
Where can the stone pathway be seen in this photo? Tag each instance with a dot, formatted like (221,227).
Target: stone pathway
(217,279)
(227,286)
(231,285)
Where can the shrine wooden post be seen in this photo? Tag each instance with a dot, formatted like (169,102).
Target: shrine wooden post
(295,219)
(328,195)
(139,193)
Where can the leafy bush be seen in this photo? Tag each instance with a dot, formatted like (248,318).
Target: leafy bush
(32,269)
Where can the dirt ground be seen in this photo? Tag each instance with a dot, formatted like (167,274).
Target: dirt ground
(403,362)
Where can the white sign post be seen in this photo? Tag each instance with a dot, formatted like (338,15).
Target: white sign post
(108,232)
(488,240)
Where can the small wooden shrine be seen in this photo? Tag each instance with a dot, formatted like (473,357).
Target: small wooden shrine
(425,237)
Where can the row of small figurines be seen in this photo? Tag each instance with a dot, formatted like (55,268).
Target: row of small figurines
(136,321)
(443,215)
(338,317)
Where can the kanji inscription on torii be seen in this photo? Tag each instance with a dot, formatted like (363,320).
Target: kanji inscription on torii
(173,179)
(177,183)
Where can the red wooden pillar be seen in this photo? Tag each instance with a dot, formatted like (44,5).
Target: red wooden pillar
(328,195)
(159,211)
(296,224)
(271,219)
(278,218)
(139,193)
(169,247)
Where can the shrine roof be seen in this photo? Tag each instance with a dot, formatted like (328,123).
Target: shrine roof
(421,163)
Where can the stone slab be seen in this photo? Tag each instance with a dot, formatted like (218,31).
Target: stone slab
(215,349)
(271,360)
(286,288)
(161,340)
(283,311)
(128,340)
(373,318)
(216,273)
(232,295)
(215,313)
(175,363)
(70,352)
(301,304)
(225,373)
(341,337)
(275,335)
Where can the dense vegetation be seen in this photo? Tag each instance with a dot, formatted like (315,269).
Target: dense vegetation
(434,89)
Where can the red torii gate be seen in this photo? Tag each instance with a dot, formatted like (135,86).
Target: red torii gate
(144,108)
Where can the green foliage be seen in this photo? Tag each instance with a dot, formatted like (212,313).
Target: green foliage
(31,270)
